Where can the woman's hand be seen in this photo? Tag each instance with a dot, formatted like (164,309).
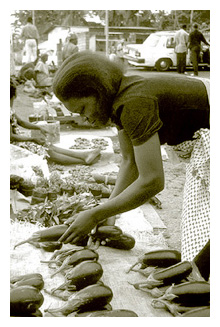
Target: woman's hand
(79,228)
(39,140)
(45,131)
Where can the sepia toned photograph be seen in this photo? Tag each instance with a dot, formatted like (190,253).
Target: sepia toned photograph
(109,163)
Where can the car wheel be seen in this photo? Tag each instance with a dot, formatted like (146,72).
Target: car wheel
(163,65)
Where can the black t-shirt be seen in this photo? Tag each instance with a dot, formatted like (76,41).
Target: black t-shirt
(174,106)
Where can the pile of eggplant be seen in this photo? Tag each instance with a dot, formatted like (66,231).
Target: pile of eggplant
(111,236)
(25,295)
(169,281)
(84,292)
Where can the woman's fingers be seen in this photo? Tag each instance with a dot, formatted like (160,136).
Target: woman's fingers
(65,235)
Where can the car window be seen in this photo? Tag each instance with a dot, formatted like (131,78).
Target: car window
(152,40)
(170,42)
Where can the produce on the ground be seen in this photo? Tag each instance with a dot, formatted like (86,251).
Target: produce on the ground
(107,307)
(77,257)
(25,300)
(35,280)
(199,312)
(158,258)
(125,242)
(167,276)
(92,297)
(15,181)
(47,246)
(83,143)
(192,293)
(33,147)
(109,313)
(46,235)
(104,178)
(59,211)
(84,274)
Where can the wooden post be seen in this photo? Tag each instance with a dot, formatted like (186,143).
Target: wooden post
(106,32)
(59,53)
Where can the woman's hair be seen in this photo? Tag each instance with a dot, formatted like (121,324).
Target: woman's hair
(13,88)
(88,73)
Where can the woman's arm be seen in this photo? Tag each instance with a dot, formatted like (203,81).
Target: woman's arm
(128,172)
(26,124)
(150,181)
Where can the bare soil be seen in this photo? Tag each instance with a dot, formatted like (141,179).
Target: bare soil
(172,195)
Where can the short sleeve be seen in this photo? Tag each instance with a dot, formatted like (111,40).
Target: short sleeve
(140,118)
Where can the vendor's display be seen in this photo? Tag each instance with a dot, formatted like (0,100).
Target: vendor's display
(84,143)
(159,258)
(25,300)
(92,297)
(173,288)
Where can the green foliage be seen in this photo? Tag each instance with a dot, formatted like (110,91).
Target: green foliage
(160,19)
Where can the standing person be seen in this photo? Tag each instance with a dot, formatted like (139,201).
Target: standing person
(195,39)
(31,37)
(181,41)
(70,47)
(148,112)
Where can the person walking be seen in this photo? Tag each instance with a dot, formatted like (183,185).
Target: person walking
(31,37)
(181,41)
(70,47)
(195,39)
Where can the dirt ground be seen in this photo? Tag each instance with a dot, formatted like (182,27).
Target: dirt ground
(172,195)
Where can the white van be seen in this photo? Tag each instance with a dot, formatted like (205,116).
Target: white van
(157,51)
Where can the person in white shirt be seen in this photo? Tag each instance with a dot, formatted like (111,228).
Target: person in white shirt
(31,37)
(42,74)
(181,41)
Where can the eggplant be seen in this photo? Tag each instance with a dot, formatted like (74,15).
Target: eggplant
(25,300)
(193,293)
(35,281)
(125,242)
(51,234)
(25,276)
(47,246)
(112,313)
(79,313)
(82,275)
(168,276)
(107,232)
(158,258)
(76,258)
(199,312)
(92,297)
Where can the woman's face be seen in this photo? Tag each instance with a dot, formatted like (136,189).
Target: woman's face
(89,108)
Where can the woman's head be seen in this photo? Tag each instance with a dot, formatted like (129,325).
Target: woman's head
(88,74)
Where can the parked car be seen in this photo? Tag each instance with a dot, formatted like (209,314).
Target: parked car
(157,51)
